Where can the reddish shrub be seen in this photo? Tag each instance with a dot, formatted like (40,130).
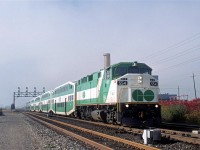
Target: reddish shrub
(181,111)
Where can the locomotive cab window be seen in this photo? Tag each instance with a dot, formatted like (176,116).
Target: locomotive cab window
(145,71)
(120,71)
(135,69)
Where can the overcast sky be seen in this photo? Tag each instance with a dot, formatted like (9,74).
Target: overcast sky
(47,43)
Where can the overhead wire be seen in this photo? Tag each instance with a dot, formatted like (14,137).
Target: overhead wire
(183,63)
(178,55)
(172,47)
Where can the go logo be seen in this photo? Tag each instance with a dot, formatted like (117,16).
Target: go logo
(138,95)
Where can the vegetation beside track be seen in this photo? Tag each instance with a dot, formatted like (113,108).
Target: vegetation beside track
(181,111)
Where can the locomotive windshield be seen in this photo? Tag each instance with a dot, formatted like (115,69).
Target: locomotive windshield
(133,69)
(120,71)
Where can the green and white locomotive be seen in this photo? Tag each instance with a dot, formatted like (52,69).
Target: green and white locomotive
(123,93)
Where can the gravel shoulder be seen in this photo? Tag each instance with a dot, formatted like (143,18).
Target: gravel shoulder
(15,133)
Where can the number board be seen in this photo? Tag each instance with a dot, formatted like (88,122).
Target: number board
(154,83)
(122,82)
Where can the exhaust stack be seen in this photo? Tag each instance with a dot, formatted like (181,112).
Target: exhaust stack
(106,60)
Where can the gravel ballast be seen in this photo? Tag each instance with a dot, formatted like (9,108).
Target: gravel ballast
(18,132)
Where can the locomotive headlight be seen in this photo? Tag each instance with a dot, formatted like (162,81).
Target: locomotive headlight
(140,79)
(156,106)
(127,105)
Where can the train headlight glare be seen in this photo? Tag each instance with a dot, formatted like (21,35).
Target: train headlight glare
(127,105)
(156,106)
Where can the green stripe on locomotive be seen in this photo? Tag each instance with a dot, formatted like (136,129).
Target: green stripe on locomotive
(88,101)
(88,82)
(91,82)
(104,90)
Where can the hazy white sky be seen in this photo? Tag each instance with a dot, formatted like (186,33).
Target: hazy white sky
(46,43)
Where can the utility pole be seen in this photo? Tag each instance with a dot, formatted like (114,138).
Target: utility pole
(178,93)
(194,87)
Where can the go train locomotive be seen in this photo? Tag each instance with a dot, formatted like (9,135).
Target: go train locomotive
(123,93)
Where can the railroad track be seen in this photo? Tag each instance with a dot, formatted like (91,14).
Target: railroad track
(182,136)
(167,134)
(96,139)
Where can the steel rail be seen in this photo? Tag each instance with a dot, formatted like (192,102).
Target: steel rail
(113,138)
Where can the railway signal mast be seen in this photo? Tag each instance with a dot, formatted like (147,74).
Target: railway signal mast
(25,94)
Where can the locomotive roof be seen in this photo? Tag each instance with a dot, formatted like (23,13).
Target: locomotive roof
(140,65)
